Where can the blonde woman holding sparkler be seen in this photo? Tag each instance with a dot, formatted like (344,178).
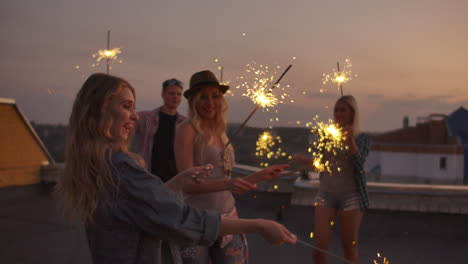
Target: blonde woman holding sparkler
(130,215)
(343,187)
(200,140)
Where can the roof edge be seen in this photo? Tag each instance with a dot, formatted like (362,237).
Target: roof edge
(7,101)
(31,130)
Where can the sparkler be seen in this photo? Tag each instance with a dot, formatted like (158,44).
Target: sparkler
(324,251)
(259,100)
(107,54)
(221,75)
(269,146)
(258,91)
(330,141)
(339,76)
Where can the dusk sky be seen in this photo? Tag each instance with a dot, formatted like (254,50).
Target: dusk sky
(410,56)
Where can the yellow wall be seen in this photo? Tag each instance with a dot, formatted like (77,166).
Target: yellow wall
(21,155)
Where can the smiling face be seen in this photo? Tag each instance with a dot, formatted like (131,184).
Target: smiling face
(343,113)
(208,103)
(122,111)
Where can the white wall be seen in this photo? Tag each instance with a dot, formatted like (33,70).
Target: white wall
(399,166)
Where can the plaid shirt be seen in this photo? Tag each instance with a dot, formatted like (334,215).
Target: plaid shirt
(363,143)
(146,128)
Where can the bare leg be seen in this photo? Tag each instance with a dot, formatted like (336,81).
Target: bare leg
(350,224)
(322,231)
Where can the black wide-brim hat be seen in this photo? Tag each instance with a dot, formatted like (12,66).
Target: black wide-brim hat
(203,79)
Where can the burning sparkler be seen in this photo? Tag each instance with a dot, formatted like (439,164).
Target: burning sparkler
(260,84)
(259,91)
(338,76)
(329,142)
(107,54)
(269,146)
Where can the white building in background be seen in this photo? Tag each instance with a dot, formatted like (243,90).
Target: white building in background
(430,152)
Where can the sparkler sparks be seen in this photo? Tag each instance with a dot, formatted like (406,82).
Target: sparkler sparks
(260,90)
(329,142)
(380,257)
(107,54)
(340,76)
(268,146)
(275,84)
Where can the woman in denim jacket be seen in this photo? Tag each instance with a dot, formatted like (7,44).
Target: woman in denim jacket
(130,215)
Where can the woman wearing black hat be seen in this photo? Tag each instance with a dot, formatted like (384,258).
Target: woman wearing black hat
(130,215)
(201,140)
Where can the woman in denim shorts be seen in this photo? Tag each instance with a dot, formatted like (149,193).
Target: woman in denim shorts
(343,188)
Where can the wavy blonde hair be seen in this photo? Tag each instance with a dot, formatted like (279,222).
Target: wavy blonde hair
(351,101)
(89,145)
(203,137)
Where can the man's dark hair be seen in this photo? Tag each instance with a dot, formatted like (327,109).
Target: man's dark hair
(171,82)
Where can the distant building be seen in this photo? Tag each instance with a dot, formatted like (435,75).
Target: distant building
(22,153)
(432,151)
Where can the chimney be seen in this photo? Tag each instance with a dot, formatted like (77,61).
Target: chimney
(405,122)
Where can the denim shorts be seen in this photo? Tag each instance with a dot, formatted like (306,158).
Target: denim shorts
(339,200)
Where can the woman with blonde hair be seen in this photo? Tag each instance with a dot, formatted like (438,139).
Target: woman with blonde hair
(201,139)
(343,189)
(130,215)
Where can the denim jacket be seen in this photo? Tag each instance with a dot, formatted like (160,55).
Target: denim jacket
(145,222)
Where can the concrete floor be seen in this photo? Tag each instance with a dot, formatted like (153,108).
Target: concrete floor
(402,237)
(33,232)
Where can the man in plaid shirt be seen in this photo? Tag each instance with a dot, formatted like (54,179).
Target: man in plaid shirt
(155,131)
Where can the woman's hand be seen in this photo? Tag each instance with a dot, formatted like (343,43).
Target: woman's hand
(275,233)
(269,173)
(240,186)
(348,132)
(273,172)
(302,160)
(194,175)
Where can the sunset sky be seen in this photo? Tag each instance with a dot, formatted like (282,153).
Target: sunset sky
(410,56)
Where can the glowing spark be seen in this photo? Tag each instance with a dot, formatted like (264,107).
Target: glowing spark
(268,147)
(311,234)
(329,141)
(243,34)
(216,60)
(107,54)
(384,259)
(333,131)
(339,77)
(259,90)
(262,98)
(294,58)
(77,67)
(275,187)
(332,223)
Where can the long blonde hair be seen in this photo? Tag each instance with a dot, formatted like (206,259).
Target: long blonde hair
(89,146)
(351,101)
(204,135)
